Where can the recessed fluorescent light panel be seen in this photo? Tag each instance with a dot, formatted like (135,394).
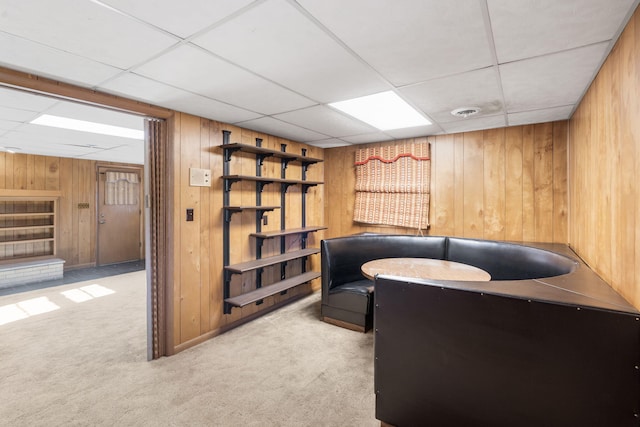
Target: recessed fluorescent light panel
(384,111)
(84,126)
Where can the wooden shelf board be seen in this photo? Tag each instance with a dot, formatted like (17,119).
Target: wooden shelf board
(269,290)
(19,242)
(269,152)
(25,214)
(250,208)
(279,233)
(273,260)
(26,227)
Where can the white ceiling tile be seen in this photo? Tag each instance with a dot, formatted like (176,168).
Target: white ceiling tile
(534,28)
(412,132)
(147,90)
(550,81)
(6,125)
(411,40)
(540,116)
(36,58)
(469,125)
(283,45)
(367,138)
(82,28)
(279,128)
(320,118)
(180,18)
(122,154)
(16,115)
(330,143)
(438,97)
(23,100)
(212,77)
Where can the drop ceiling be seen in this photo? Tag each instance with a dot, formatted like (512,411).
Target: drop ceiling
(274,65)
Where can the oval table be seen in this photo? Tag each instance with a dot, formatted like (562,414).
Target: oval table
(424,268)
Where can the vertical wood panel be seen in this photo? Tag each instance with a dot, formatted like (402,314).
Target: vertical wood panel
(494,184)
(473,209)
(190,239)
(442,198)
(528,186)
(560,184)
(458,168)
(513,183)
(604,157)
(543,182)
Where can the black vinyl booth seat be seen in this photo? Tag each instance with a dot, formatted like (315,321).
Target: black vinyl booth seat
(347,296)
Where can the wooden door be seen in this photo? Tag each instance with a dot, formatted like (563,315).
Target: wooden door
(119,215)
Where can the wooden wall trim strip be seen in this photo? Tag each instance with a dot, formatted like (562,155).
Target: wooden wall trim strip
(33,83)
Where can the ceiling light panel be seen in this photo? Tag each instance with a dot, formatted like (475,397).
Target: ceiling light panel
(384,111)
(90,127)
(409,41)
(285,46)
(552,25)
(78,111)
(551,80)
(181,19)
(81,28)
(439,96)
(215,78)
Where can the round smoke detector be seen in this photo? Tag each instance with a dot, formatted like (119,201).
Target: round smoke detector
(465,112)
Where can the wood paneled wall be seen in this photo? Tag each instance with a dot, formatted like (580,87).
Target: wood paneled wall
(76,181)
(604,153)
(196,306)
(504,184)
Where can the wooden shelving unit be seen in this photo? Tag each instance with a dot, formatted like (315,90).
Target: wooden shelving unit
(27,228)
(285,283)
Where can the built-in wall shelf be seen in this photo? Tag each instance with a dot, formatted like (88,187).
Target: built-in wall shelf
(27,227)
(268,180)
(287,281)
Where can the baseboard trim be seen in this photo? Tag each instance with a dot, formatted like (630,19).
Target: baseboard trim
(344,324)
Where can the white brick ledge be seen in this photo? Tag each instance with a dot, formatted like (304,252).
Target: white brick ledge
(30,271)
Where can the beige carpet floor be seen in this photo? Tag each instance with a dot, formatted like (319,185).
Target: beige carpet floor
(75,355)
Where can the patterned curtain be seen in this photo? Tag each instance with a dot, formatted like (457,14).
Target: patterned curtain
(392,185)
(121,188)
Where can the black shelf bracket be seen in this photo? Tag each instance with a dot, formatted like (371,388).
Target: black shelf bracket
(260,185)
(227,215)
(228,152)
(228,182)
(285,186)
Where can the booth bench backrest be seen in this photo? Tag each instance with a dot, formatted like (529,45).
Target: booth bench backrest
(342,257)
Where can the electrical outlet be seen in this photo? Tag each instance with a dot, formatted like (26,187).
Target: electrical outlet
(265,220)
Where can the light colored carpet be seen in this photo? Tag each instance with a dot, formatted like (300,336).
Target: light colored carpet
(84,363)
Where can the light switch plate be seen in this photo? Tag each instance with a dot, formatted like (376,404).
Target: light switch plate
(199,177)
